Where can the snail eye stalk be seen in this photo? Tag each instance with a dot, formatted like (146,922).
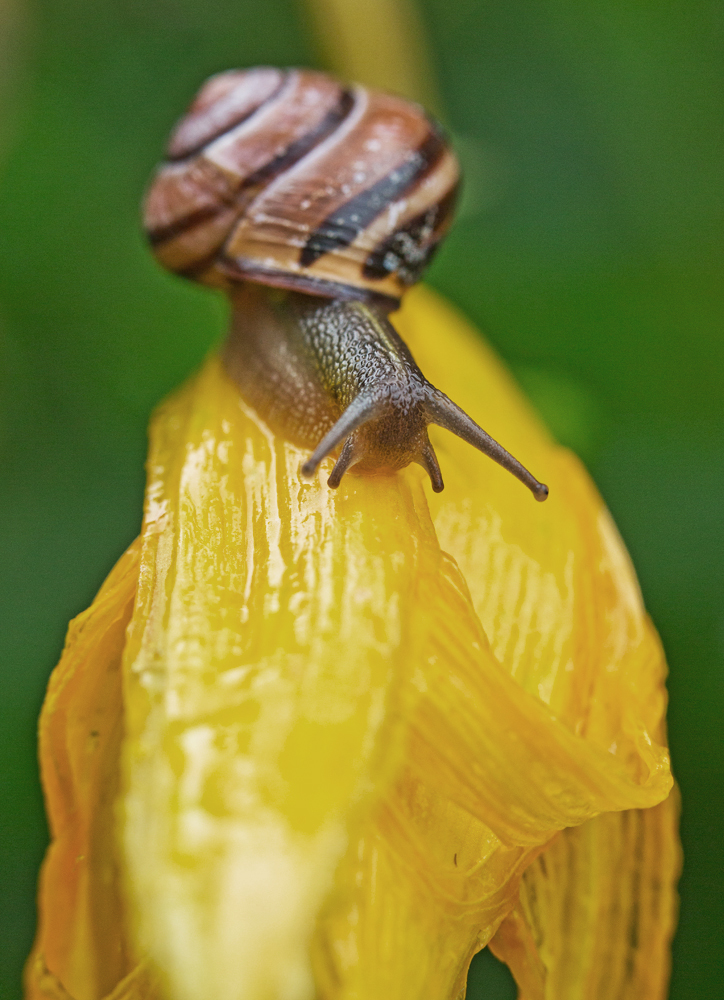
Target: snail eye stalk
(443,412)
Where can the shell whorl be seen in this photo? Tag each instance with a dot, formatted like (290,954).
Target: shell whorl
(291,179)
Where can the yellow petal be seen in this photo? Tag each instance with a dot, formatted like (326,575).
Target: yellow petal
(552,584)
(140,983)
(311,697)
(80,949)
(380,43)
(353,718)
(265,690)
(443,875)
(597,910)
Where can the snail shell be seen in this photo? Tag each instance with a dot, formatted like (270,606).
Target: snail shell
(339,196)
(294,180)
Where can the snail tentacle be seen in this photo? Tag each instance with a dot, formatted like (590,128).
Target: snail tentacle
(348,457)
(428,460)
(442,411)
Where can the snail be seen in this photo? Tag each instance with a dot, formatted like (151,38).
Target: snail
(315,205)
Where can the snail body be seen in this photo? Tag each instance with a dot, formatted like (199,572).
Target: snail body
(315,206)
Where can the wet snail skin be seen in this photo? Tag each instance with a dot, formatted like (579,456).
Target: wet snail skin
(315,206)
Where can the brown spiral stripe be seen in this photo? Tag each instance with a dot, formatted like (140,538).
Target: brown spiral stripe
(289,178)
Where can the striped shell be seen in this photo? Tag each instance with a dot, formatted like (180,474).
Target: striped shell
(289,178)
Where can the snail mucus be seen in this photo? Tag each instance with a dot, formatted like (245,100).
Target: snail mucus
(315,205)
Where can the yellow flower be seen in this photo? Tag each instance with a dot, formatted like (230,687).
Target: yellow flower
(309,743)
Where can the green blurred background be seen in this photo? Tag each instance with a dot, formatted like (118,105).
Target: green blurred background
(589,250)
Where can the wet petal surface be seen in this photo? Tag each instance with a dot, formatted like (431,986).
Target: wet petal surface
(354,718)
